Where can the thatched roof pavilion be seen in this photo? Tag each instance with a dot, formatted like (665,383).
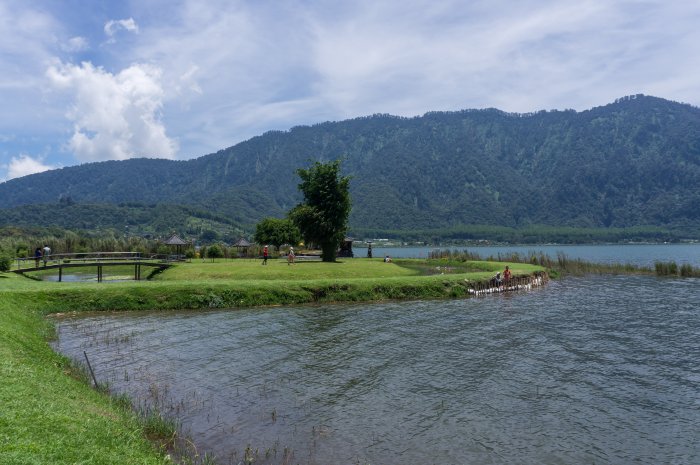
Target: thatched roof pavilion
(176,241)
(242,246)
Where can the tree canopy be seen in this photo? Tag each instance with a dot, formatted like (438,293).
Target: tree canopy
(322,217)
(275,231)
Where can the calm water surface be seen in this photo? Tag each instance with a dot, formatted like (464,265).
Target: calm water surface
(636,254)
(587,370)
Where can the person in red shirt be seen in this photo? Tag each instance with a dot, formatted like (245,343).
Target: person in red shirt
(506,274)
(264,255)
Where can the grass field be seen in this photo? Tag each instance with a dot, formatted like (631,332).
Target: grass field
(50,415)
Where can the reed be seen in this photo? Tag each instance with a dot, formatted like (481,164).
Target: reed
(670,268)
(561,265)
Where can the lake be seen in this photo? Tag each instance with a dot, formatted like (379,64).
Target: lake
(636,254)
(601,369)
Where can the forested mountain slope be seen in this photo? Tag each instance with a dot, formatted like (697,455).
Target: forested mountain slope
(632,162)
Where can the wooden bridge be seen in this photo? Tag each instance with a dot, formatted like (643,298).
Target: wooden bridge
(98,260)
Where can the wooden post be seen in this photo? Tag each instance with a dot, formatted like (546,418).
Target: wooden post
(90,367)
(99,273)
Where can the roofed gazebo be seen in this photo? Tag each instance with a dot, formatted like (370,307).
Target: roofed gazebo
(242,246)
(345,249)
(177,242)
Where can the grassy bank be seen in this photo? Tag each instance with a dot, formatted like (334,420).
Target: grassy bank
(51,415)
(246,283)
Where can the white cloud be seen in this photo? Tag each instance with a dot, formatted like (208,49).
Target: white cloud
(408,58)
(227,71)
(113,26)
(115,116)
(75,44)
(24,165)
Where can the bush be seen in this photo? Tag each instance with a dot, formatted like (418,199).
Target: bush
(214,251)
(5,262)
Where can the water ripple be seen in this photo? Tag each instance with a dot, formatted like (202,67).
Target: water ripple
(587,370)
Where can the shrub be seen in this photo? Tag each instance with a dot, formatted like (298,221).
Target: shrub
(5,262)
(214,251)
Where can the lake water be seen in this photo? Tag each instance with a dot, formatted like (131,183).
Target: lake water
(636,254)
(600,369)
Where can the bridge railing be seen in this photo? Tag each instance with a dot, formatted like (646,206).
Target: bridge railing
(95,257)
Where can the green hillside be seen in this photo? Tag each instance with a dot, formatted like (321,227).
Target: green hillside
(132,219)
(632,163)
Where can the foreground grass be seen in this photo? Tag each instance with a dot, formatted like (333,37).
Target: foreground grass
(50,414)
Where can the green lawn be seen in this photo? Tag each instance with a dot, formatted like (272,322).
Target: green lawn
(278,269)
(50,415)
(47,416)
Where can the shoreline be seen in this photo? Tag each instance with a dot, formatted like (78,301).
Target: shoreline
(55,416)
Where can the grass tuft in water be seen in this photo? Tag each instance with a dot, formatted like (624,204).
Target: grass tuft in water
(686,270)
(158,428)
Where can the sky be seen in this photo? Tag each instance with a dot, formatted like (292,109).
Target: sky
(89,80)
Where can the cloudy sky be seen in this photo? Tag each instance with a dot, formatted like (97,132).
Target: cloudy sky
(84,81)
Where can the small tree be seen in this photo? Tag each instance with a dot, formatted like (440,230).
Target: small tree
(214,251)
(5,261)
(276,232)
(323,217)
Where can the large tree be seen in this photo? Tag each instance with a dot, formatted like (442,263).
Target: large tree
(275,231)
(323,216)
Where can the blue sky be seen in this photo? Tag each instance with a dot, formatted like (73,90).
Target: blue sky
(84,81)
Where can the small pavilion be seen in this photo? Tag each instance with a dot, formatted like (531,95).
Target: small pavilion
(242,246)
(177,242)
(345,249)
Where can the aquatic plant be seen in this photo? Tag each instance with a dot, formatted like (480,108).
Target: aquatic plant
(159,428)
(672,269)
(561,265)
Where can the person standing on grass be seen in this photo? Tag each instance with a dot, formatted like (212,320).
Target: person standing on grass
(290,256)
(46,252)
(37,257)
(264,255)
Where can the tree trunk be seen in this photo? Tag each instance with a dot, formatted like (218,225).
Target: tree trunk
(328,252)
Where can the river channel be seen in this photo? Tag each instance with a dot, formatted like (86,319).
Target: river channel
(587,370)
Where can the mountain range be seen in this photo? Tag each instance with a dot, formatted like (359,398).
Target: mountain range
(634,162)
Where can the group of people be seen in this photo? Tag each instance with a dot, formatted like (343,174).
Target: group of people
(42,254)
(501,279)
(290,256)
